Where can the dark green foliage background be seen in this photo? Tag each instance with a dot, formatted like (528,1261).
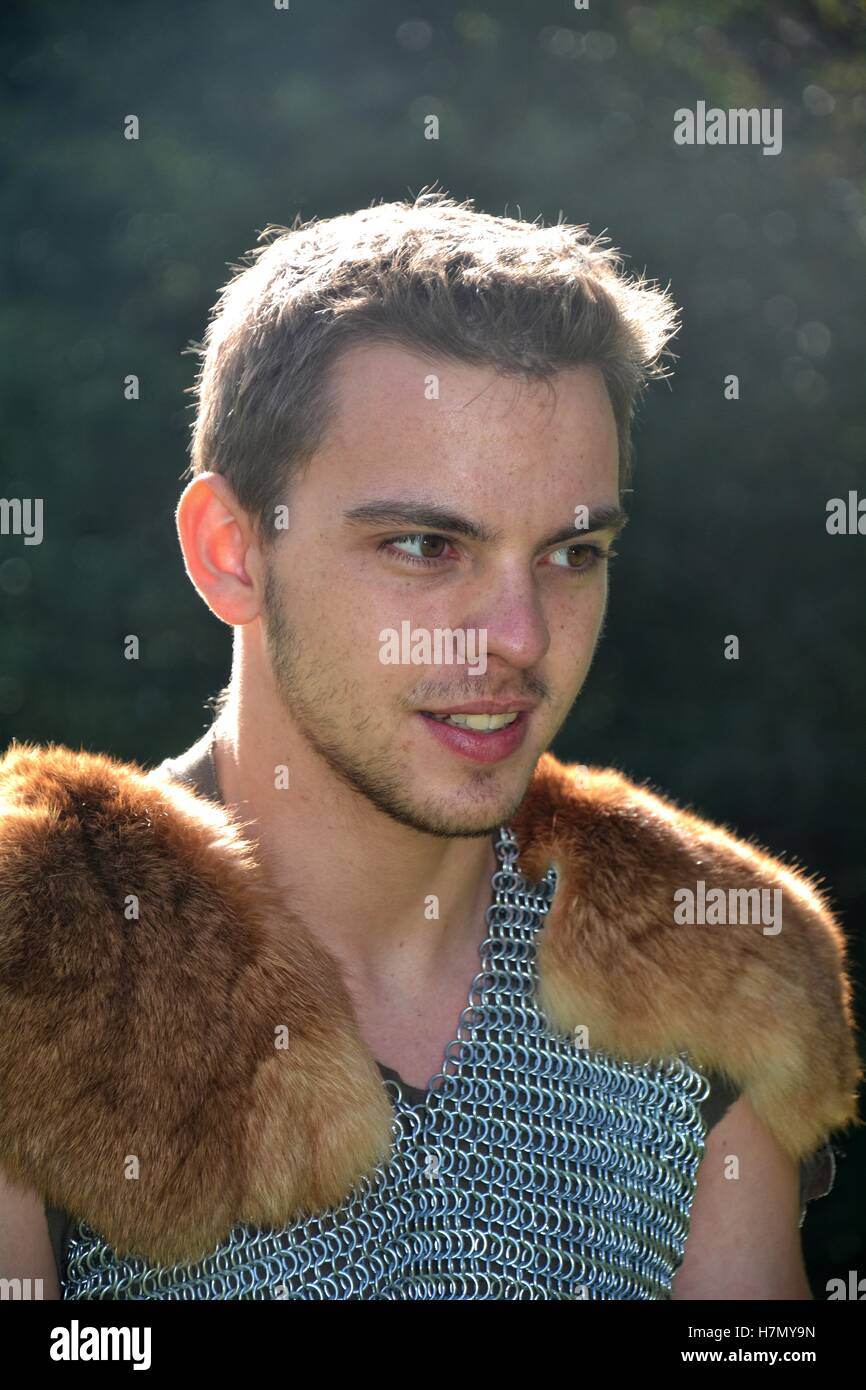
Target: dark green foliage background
(114,251)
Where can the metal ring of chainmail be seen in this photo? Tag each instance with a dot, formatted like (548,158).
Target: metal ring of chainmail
(536,1169)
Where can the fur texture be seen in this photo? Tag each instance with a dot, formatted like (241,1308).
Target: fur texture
(152,1040)
(772,1012)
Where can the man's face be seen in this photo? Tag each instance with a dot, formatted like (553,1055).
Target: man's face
(444,501)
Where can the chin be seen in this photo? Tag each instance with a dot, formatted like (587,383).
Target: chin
(469,811)
(453,826)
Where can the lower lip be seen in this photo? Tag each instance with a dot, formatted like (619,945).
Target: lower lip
(477,747)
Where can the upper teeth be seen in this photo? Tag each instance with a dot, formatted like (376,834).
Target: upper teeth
(478,721)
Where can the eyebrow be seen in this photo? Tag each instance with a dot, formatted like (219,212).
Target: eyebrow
(391,511)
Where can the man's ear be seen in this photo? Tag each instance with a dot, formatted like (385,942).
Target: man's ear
(220,549)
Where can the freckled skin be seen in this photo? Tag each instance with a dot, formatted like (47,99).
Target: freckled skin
(505,452)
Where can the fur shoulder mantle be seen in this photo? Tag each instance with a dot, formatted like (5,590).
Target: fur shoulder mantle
(145,1044)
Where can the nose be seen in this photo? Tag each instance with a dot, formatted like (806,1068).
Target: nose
(511,612)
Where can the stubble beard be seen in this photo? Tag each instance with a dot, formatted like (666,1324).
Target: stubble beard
(306,692)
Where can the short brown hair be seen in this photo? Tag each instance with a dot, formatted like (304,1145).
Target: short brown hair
(433,274)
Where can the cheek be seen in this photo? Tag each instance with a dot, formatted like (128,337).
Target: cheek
(574,632)
(575,619)
(594,620)
(600,601)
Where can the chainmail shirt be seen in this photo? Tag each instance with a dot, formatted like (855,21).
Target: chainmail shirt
(536,1169)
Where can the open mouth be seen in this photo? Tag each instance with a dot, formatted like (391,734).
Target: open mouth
(482,738)
(479,723)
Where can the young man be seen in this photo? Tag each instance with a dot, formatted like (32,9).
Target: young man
(367,996)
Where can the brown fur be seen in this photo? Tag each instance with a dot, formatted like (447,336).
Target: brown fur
(156,1037)
(774,1013)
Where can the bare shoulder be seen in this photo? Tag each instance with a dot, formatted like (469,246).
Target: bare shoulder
(25,1244)
(744,1240)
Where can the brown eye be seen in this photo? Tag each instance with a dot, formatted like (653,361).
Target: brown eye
(432,547)
(419,547)
(579,558)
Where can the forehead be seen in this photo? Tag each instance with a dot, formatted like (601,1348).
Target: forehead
(401,415)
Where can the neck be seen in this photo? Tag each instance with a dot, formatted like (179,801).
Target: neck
(364,884)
